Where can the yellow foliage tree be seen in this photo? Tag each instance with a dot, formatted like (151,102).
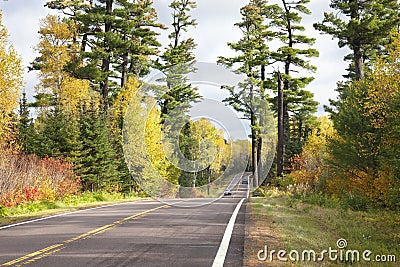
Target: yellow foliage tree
(215,151)
(10,83)
(365,152)
(383,90)
(142,137)
(121,103)
(309,165)
(56,48)
(155,150)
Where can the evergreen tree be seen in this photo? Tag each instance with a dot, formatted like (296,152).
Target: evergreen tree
(298,104)
(58,134)
(27,135)
(97,163)
(116,37)
(188,147)
(357,145)
(135,21)
(253,56)
(177,60)
(363,26)
(176,63)
(364,117)
(262,23)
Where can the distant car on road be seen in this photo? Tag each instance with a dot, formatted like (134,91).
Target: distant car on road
(245,181)
(227,192)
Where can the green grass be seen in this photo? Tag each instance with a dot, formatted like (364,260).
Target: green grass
(302,226)
(43,208)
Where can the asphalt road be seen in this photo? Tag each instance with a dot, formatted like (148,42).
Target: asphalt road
(143,233)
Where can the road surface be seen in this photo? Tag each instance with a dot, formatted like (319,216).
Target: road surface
(143,233)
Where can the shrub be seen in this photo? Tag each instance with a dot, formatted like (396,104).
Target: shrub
(28,178)
(355,202)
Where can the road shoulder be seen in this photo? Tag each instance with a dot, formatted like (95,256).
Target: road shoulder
(259,231)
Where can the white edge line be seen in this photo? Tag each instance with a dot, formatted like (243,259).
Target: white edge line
(248,187)
(59,215)
(226,239)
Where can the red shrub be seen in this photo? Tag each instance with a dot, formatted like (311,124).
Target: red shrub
(26,178)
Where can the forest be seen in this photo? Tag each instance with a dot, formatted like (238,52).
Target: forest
(93,60)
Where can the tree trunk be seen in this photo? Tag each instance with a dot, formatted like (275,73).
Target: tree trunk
(357,50)
(253,143)
(281,136)
(358,62)
(107,58)
(259,162)
(255,173)
(84,42)
(286,86)
(253,138)
(124,77)
(208,180)
(104,85)
(300,130)
(262,74)
(285,112)
(262,124)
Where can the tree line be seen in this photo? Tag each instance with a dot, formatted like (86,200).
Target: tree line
(93,58)
(91,65)
(353,152)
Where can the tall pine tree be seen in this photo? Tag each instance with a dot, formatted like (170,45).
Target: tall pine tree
(298,105)
(261,24)
(117,38)
(177,96)
(177,60)
(362,26)
(253,56)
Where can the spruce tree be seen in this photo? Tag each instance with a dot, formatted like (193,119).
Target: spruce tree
(97,163)
(27,136)
(58,134)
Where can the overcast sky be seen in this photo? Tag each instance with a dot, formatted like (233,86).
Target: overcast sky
(215,28)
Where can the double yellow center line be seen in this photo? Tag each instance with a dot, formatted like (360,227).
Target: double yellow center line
(37,255)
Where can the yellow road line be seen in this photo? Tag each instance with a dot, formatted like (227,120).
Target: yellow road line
(40,257)
(34,256)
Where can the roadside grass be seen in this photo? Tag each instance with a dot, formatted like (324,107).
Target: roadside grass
(303,226)
(84,200)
